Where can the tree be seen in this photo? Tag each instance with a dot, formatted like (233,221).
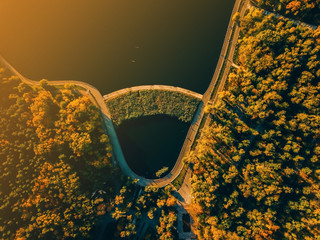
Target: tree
(45,188)
(162,171)
(236,17)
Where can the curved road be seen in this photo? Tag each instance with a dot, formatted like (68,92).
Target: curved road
(118,93)
(108,126)
(226,57)
(215,84)
(228,50)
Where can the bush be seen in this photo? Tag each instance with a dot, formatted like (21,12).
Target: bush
(152,102)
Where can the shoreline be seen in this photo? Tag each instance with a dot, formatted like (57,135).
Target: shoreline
(109,128)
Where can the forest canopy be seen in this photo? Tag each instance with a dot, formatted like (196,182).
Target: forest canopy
(57,180)
(256,170)
(53,155)
(303,10)
(152,102)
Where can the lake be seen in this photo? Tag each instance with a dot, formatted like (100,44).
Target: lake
(158,146)
(114,44)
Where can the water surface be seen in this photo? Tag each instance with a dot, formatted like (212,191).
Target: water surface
(114,44)
(151,143)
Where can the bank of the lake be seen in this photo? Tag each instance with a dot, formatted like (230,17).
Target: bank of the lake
(151,126)
(143,103)
(115,44)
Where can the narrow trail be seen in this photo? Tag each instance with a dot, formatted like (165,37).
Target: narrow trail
(216,85)
(108,125)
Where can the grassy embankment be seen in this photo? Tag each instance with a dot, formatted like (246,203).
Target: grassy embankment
(152,102)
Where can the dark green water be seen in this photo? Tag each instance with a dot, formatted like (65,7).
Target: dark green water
(158,146)
(113,44)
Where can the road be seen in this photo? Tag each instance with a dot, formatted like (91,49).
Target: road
(229,43)
(216,85)
(193,130)
(108,126)
(107,123)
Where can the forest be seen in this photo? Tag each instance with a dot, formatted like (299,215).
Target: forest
(57,176)
(256,167)
(152,102)
(150,207)
(54,155)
